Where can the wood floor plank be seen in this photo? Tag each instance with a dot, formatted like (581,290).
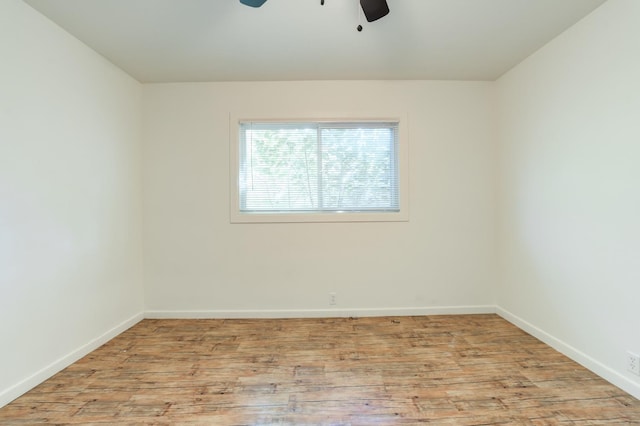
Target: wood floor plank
(457,370)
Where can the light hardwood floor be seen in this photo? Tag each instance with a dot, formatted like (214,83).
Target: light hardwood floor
(448,370)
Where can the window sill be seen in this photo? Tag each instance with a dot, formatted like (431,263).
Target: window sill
(237,217)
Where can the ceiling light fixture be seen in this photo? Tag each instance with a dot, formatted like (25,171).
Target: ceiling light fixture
(373,9)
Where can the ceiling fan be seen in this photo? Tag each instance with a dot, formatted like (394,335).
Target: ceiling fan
(373,9)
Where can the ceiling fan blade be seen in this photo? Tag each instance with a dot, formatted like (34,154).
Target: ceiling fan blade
(253,3)
(374,9)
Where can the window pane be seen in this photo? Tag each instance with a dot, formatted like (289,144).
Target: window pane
(318,167)
(279,169)
(358,171)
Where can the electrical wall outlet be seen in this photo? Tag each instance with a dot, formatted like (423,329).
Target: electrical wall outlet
(633,363)
(332,298)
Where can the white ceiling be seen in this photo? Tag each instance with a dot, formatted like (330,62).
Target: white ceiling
(223,40)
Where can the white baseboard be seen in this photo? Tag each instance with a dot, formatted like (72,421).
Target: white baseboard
(13,392)
(607,373)
(321,313)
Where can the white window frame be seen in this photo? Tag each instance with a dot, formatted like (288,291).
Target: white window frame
(237,216)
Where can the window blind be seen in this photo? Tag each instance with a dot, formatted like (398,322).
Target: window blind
(318,167)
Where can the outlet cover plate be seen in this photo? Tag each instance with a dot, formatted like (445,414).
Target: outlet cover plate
(633,362)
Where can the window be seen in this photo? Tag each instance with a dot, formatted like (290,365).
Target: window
(292,171)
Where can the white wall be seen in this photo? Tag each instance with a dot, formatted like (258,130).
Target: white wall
(70,199)
(197,263)
(570,191)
